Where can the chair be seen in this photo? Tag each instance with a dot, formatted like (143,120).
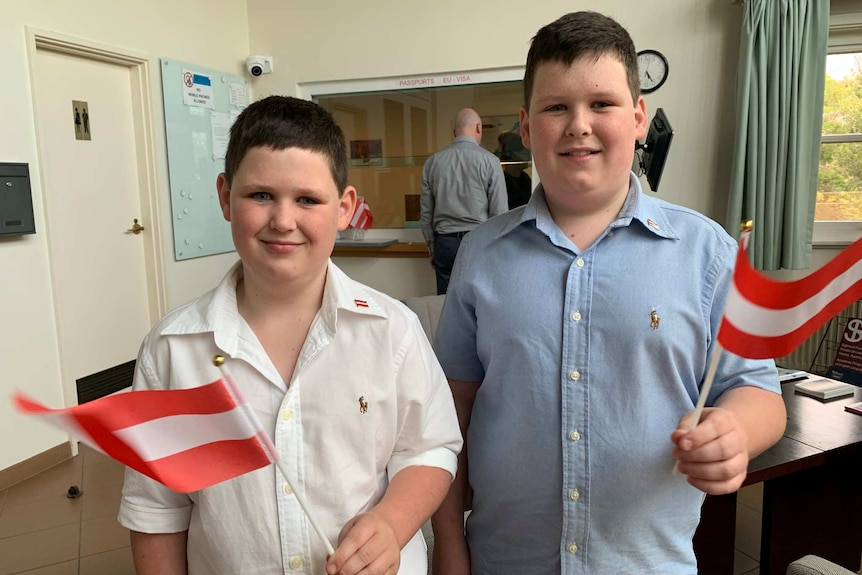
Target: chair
(427,309)
(813,565)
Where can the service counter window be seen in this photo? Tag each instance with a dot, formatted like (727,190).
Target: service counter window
(390,134)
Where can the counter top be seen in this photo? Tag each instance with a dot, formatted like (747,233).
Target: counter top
(379,249)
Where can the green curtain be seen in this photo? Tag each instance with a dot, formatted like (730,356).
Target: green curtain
(779,111)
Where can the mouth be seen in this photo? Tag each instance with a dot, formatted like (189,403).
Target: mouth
(579,153)
(280,245)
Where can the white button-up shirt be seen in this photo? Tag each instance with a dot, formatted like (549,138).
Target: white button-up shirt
(367,399)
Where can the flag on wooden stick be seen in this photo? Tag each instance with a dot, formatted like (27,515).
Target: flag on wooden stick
(766,318)
(187,439)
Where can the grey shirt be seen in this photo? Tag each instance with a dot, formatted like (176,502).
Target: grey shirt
(462,186)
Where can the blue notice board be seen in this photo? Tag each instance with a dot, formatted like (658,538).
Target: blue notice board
(200,106)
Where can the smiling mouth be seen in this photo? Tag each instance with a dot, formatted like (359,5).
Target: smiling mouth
(580,153)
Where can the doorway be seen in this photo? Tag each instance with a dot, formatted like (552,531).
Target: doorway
(100,202)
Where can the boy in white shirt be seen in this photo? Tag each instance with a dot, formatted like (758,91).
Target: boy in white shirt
(341,375)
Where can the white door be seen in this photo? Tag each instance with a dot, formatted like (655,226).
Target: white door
(91,198)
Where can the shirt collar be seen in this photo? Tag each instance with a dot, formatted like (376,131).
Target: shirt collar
(638,207)
(218,313)
(469,139)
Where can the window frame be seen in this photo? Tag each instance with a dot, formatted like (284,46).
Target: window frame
(845,36)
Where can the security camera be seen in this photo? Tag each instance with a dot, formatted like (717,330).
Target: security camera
(257,65)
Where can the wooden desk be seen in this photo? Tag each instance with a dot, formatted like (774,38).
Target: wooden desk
(812,492)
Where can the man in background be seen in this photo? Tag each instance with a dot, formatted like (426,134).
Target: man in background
(462,186)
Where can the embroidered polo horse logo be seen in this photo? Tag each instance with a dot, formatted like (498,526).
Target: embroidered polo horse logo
(363,404)
(654,319)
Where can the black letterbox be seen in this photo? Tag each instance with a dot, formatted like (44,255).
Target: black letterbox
(16,202)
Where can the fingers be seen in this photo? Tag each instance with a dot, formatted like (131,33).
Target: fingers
(367,546)
(714,455)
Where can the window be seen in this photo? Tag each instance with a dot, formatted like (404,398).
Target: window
(391,131)
(839,189)
(838,208)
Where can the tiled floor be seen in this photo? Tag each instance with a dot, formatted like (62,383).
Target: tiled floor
(43,532)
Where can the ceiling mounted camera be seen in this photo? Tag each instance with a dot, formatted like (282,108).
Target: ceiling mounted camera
(259,65)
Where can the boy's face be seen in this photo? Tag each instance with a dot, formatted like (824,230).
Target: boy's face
(581,127)
(284,211)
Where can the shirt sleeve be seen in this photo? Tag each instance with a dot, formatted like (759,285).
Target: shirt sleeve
(147,505)
(426,207)
(429,431)
(498,199)
(733,371)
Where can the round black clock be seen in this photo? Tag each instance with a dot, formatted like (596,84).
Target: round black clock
(652,70)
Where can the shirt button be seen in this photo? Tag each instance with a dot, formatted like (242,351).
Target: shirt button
(579,262)
(575,375)
(287,489)
(610,233)
(575,436)
(287,414)
(576,316)
(573,548)
(296,562)
(574,495)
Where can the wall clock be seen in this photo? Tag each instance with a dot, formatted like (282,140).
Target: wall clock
(652,70)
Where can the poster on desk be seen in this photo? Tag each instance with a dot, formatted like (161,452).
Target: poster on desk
(848,360)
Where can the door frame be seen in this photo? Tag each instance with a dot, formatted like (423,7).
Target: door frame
(139,66)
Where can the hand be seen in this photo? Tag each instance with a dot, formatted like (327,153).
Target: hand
(714,455)
(450,557)
(367,544)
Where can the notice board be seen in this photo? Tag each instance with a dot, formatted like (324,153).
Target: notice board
(200,106)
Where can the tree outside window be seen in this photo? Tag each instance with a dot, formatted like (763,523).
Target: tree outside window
(839,190)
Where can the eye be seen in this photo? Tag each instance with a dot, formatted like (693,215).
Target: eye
(556,108)
(308,200)
(602,105)
(261,196)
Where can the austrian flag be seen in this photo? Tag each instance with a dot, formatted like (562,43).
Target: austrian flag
(187,439)
(765,318)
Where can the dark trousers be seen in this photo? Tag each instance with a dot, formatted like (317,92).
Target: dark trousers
(445,250)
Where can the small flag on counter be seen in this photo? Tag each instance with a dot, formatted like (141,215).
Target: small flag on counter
(362,218)
(187,439)
(765,318)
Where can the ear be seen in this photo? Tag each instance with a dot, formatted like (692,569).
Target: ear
(641,119)
(223,195)
(346,207)
(524,124)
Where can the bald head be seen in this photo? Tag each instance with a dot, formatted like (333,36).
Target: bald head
(468,123)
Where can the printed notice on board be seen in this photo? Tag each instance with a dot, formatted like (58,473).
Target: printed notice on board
(220,122)
(237,94)
(197,89)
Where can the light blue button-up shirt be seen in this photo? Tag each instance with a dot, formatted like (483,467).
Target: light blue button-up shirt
(587,360)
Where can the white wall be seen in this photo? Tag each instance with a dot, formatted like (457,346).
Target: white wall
(211,33)
(380,38)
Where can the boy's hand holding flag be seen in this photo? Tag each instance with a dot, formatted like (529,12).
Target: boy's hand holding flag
(186,439)
(765,318)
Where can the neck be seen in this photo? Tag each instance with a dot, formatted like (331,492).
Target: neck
(259,298)
(584,222)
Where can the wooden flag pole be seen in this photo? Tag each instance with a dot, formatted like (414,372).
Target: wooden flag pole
(218,361)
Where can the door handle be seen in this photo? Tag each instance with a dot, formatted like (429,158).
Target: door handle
(136,227)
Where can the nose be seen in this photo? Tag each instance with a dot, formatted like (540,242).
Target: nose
(282,217)
(578,123)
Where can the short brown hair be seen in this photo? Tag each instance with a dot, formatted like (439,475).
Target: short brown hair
(578,35)
(281,122)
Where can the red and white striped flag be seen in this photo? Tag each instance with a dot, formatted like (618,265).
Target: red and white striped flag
(187,439)
(362,218)
(765,318)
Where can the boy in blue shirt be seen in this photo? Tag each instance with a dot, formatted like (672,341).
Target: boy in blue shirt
(576,334)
